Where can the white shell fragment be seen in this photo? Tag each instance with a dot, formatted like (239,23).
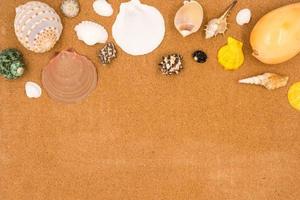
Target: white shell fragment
(91,33)
(243,17)
(188,18)
(103,8)
(139,29)
(37,26)
(33,90)
(270,81)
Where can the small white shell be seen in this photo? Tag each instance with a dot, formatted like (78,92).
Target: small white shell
(91,33)
(37,26)
(103,8)
(243,17)
(33,90)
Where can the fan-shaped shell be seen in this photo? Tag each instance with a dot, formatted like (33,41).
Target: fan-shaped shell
(231,56)
(69,77)
(37,26)
(189,18)
(139,28)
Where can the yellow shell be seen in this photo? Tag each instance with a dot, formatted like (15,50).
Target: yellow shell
(294,96)
(231,56)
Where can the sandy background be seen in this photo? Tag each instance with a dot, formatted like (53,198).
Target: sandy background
(141,135)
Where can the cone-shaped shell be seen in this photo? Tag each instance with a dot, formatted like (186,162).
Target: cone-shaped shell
(270,81)
(69,77)
(189,18)
(231,56)
(37,26)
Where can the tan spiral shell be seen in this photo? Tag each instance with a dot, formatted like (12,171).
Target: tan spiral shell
(37,26)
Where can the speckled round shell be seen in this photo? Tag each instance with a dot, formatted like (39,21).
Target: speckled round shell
(37,26)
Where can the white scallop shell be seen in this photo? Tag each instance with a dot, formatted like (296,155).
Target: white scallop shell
(37,26)
(139,28)
(91,33)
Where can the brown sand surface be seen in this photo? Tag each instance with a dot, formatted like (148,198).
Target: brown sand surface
(141,135)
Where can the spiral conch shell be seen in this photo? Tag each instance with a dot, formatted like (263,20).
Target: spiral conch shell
(189,18)
(37,26)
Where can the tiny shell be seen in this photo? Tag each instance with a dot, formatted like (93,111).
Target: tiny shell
(33,90)
(70,8)
(189,18)
(243,17)
(103,8)
(37,26)
(108,53)
(171,64)
(91,33)
(270,81)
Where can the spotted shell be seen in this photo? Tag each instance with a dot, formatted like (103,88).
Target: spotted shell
(37,26)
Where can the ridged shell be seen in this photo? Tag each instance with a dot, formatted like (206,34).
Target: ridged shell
(231,56)
(37,26)
(69,77)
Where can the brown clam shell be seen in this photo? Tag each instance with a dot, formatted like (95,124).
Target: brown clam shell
(69,77)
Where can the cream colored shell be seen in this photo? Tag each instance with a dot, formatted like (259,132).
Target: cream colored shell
(188,18)
(37,26)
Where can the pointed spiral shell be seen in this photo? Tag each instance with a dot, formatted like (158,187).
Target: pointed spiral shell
(37,26)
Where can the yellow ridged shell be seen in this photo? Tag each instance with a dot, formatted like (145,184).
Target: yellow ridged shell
(294,96)
(231,56)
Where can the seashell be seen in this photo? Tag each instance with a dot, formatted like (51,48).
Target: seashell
(139,29)
(275,38)
(243,17)
(70,8)
(231,56)
(91,33)
(188,18)
(69,77)
(33,90)
(200,56)
(219,25)
(108,53)
(12,64)
(270,81)
(103,8)
(37,26)
(294,96)
(171,64)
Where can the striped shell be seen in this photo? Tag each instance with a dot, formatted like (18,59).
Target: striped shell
(37,26)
